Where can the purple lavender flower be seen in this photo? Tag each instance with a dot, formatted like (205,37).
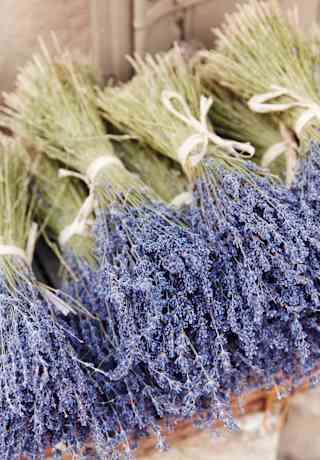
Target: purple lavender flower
(306,185)
(46,396)
(197,304)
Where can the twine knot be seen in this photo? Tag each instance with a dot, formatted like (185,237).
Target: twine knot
(82,223)
(24,254)
(203,135)
(262,103)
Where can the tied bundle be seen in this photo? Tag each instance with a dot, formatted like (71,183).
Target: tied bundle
(275,145)
(148,261)
(177,97)
(266,60)
(262,258)
(189,305)
(46,396)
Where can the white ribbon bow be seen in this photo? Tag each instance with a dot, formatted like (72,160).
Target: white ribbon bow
(82,222)
(203,135)
(260,104)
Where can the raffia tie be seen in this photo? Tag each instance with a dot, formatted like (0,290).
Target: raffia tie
(262,103)
(184,198)
(203,135)
(27,254)
(80,224)
(289,148)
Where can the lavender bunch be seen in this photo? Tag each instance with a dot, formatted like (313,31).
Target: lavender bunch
(163,351)
(279,78)
(54,108)
(229,306)
(251,229)
(140,274)
(127,213)
(46,395)
(268,288)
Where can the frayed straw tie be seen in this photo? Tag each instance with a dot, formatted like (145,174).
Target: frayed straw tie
(260,104)
(27,254)
(187,153)
(80,224)
(203,135)
(289,148)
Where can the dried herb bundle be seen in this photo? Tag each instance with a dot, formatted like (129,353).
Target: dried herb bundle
(275,146)
(194,304)
(46,396)
(139,242)
(279,79)
(264,58)
(140,107)
(239,212)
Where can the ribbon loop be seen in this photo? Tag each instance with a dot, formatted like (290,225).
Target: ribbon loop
(203,135)
(262,103)
(26,255)
(81,224)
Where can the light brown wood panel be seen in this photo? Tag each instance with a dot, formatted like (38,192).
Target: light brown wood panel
(308,10)
(22,21)
(201,19)
(111,27)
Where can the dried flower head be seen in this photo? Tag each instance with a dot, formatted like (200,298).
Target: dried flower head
(46,396)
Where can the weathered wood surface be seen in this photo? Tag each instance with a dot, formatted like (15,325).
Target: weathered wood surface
(23,21)
(109,29)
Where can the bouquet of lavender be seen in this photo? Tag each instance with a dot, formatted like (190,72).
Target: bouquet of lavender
(261,254)
(276,79)
(46,395)
(127,291)
(147,258)
(279,79)
(197,303)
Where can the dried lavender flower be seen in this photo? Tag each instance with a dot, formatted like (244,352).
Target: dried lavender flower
(257,206)
(46,396)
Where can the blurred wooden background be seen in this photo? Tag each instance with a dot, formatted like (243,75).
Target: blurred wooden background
(107,30)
